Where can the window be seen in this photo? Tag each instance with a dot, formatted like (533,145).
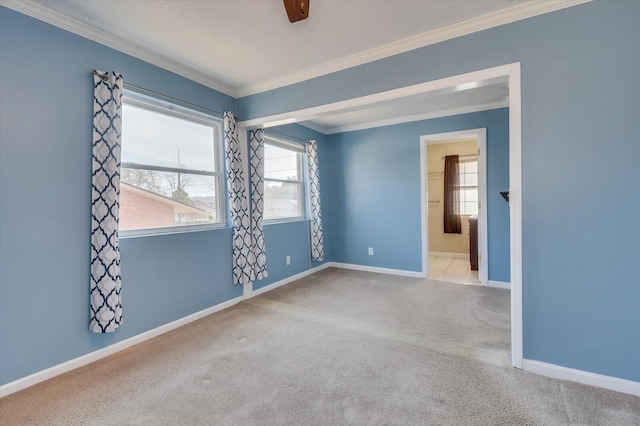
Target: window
(171,170)
(468,173)
(283,180)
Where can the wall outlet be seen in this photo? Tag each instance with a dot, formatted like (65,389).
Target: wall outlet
(288,260)
(370,251)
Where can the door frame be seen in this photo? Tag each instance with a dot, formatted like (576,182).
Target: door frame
(512,72)
(480,135)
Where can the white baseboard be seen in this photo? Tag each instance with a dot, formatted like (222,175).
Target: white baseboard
(377,270)
(72,364)
(447,254)
(83,360)
(288,280)
(499,284)
(580,376)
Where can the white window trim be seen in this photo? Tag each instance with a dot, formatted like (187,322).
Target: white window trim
(476,187)
(173,110)
(299,149)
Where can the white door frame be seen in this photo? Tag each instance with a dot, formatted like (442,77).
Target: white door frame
(481,137)
(512,72)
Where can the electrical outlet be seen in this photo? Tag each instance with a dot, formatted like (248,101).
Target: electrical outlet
(370,251)
(288,260)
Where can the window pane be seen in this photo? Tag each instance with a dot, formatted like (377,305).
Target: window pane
(157,139)
(471,179)
(153,199)
(469,194)
(280,163)
(470,167)
(470,208)
(282,200)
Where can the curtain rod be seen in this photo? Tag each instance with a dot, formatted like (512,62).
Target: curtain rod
(267,131)
(464,156)
(104,78)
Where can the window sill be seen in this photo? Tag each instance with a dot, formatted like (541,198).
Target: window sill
(152,232)
(280,221)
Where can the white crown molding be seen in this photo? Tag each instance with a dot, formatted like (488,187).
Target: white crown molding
(42,13)
(459,29)
(480,23)
(409,118)
(314,126)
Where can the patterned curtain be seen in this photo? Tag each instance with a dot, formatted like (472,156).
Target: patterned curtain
(256,155)
(317,244)
(243,258)
(106,299)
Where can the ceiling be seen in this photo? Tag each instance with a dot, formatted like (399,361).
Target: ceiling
(478,96)
(241,47)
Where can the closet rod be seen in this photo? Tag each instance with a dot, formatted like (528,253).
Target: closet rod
(153,92)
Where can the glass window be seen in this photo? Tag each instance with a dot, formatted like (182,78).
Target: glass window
(468,174)
(283,180)
(171,171)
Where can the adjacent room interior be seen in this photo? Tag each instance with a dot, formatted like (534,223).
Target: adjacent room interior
(308,221)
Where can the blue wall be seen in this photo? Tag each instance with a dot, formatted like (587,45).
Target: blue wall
(580,173)
(292,238)
(376,202)
(45,171)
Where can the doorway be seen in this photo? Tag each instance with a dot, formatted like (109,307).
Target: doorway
(455,257)
(512,73)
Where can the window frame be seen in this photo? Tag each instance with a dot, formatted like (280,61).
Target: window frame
(299,150)
(476,187)
(137,100)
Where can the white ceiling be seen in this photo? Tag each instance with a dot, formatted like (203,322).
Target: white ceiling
(479,96)
(241,47)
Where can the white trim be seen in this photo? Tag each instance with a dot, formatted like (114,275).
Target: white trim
(377,270)
(429,86)
(479,23)
(515,217)
(90,357)
(580,376)
(43,13)
(289,279)
(512,72)
(447,254)
(499,284)
(480,135)
(408,118)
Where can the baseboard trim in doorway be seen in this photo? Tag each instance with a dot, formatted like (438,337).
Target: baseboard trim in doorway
(446,254)
(499,284)
(580,376)
(377,270)
(81,361)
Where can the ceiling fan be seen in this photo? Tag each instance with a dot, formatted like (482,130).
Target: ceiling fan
(297,10)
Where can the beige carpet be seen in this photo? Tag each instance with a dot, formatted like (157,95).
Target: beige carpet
(338,347)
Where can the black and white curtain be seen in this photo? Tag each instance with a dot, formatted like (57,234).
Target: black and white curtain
(243,258)
(256,156)
(106,299)
(315,211)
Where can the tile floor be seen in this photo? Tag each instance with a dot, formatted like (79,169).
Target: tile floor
(449,268)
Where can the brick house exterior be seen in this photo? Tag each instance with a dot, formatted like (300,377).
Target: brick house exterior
(142,209)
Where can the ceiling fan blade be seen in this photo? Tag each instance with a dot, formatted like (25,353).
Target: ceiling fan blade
(297,10)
